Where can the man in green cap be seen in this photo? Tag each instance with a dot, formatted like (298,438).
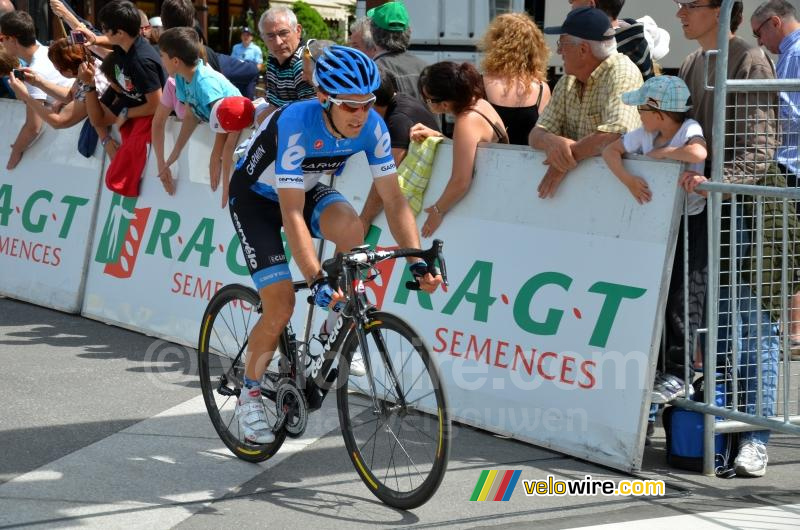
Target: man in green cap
(392,33)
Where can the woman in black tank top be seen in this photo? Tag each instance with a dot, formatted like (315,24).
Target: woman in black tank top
(514,75)
(457,90)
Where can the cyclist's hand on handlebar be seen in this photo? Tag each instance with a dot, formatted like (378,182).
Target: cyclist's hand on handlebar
(427,281)
(324,296)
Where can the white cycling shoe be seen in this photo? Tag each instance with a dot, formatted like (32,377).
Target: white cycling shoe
(252,417)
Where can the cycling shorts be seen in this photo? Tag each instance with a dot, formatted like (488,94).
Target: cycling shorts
(258,223)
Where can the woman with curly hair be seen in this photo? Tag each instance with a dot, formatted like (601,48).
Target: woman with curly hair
(515,72)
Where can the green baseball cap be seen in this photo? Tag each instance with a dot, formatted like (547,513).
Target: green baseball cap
(391,16)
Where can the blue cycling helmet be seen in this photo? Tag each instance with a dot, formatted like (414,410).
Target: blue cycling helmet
(343,70)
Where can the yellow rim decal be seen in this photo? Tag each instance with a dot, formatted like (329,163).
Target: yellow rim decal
(372,324)
(248,451)
(439,453)
(203,345)
(364,471)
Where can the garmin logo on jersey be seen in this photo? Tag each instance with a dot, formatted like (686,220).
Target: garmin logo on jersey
(294,154)
(388,167)
(315,165)
(255,159)
(249,252)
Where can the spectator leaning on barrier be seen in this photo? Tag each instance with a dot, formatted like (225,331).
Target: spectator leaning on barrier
(750,141)
(247,51)
(400,112)
(514,76)
(139,71)
(361,37)
(391,34)
(18,37)
(199,87)
(457,90)
(585,113)
(776,27)
(281,33)
(667,134)
(67,58)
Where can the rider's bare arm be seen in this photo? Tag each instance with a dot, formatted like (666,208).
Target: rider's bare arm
(398,213)
(297,234)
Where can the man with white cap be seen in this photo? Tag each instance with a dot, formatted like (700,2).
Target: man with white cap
(585,113)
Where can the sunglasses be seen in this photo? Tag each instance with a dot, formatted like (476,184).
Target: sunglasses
(351,105)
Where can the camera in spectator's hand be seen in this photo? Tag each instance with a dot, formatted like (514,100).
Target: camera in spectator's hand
(77,37)
(19,73)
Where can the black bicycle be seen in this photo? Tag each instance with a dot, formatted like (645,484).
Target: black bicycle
(394,419)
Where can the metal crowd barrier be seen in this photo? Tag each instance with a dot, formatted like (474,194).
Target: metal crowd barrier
(754,262)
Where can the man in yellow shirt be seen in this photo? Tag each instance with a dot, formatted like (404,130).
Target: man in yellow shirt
(585,113)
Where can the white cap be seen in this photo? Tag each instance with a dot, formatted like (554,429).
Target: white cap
(156,22)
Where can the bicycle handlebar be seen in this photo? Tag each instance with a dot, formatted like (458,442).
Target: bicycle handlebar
(366,257)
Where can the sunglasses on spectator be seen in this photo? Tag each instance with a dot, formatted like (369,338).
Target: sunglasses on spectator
(351,105)
(283,34)
(692,6)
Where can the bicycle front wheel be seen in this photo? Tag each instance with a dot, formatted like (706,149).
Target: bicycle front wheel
(396,427)
(227,323)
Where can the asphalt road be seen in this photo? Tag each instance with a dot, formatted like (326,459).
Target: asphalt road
(102,427)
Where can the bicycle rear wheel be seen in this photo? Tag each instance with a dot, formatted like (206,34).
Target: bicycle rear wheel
(397,431)
(227,322)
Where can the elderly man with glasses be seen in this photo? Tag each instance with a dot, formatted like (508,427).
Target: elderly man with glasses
(282,35)
(585,113)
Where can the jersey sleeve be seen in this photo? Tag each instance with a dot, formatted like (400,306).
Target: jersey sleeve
(291,150)
(378,147)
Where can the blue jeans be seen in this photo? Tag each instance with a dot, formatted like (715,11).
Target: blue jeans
(748,325)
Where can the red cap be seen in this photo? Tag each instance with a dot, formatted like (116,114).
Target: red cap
(231,114)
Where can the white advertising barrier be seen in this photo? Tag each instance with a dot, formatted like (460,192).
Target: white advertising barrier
(47,209)
(549,330)
(158,259)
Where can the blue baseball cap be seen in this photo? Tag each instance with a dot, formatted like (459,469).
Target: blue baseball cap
(585,23)
(662,92)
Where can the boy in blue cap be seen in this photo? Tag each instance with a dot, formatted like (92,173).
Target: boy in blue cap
(667,134)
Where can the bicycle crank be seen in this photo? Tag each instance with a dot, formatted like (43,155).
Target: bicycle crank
(292,408)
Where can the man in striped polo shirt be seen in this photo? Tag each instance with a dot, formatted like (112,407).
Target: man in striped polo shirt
(281,33)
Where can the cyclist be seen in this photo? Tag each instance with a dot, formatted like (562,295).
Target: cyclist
(276,184)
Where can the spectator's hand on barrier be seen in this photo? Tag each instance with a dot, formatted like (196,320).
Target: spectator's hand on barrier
(419,132)
(167,181)
(690,180)
(559,153)
(639,189)
(433,221)
(550,182)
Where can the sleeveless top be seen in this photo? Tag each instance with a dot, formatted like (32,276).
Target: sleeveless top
(502,136)
(519,121)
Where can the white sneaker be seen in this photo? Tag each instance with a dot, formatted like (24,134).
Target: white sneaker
(357,367)
(252,418)
(751,460)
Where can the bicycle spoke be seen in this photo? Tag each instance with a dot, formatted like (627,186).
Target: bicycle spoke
(420,398)
(405,452)
(431,438)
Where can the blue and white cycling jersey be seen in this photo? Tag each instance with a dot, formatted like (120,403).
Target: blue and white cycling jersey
(294,149)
